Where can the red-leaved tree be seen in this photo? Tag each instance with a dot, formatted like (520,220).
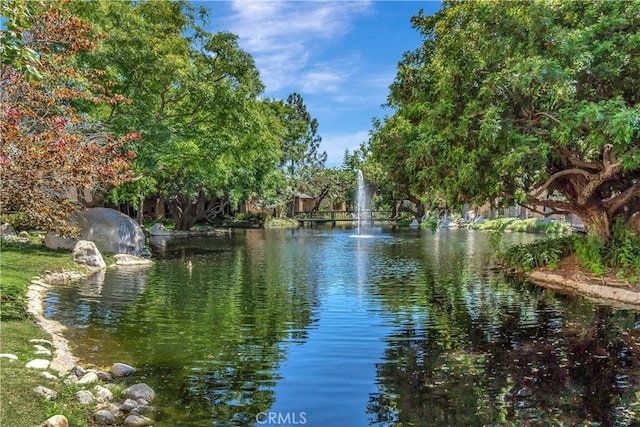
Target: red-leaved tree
(49,148)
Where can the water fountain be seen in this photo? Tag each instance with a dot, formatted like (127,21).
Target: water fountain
(362,201)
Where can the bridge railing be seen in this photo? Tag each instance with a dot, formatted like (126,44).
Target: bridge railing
(343,215)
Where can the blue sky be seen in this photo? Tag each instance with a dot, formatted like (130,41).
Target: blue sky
(340,56)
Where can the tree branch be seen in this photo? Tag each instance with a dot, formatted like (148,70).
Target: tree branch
(576,161)
(611,166)
(616,202)
(549,181)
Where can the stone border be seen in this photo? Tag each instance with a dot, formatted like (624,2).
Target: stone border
(63,360)
(618,296)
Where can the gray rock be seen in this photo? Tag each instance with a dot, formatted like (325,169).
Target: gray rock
(102,394)
(88,378)
(45,392)
(55,241)
(112,231)
(71,379)
(140,391)
(38,364)
(158,229)
(104,417)
(87,253)
(48,375)
(56,421)
(7,230)
(78,371)
(126,259)
(115,409)
(85,397)
(119,370)
(137,421)
(129,405)
(104,376)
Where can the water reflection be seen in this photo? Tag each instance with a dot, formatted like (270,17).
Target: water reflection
(489,351)
(406,328)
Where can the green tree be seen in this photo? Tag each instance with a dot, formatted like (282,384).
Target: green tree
(533,102)
(208,141)
(301,156)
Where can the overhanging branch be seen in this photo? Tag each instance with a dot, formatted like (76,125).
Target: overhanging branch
(616,202)
(552,178)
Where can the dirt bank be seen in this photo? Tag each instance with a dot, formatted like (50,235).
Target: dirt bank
(569,278)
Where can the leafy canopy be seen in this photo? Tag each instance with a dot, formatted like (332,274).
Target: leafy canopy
(535,102)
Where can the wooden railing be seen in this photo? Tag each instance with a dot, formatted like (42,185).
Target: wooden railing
(343,216)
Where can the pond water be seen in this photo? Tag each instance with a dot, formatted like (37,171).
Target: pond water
(318,327)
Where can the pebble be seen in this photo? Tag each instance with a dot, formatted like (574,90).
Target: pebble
(48,375)
(45,342)
(104,416)
(56,421)
(88,378)
(38,364)
(137,421)
(119,370)
(45,392)
(9,356)
(85,397)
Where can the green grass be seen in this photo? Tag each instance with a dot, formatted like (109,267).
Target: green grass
(19,263)
(19,404)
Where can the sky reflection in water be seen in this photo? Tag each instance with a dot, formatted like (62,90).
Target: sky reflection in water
(313,324)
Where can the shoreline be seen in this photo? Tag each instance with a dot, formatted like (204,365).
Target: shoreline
(611,292)
(63,359)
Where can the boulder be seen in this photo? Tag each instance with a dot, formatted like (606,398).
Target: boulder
(53,240)
(158,229)
(7,230)
(112,231)
(86,252)
(126,259)
(9,356)
(102,394)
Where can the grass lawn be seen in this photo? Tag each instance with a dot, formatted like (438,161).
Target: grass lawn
(19,404)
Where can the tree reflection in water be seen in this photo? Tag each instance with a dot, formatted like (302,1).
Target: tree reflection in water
(526,363)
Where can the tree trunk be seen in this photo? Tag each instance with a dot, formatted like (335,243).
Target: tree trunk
(140,211)
(184,214)
(597,223)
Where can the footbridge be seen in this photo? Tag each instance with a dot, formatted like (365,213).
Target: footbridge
(334,217)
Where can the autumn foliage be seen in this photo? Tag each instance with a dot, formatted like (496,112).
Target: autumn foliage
(49,147)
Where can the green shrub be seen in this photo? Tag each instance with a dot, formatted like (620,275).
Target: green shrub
(589,251)
(539,253)
(623,251)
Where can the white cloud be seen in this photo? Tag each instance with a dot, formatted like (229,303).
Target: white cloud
(283,37)
(336,144)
